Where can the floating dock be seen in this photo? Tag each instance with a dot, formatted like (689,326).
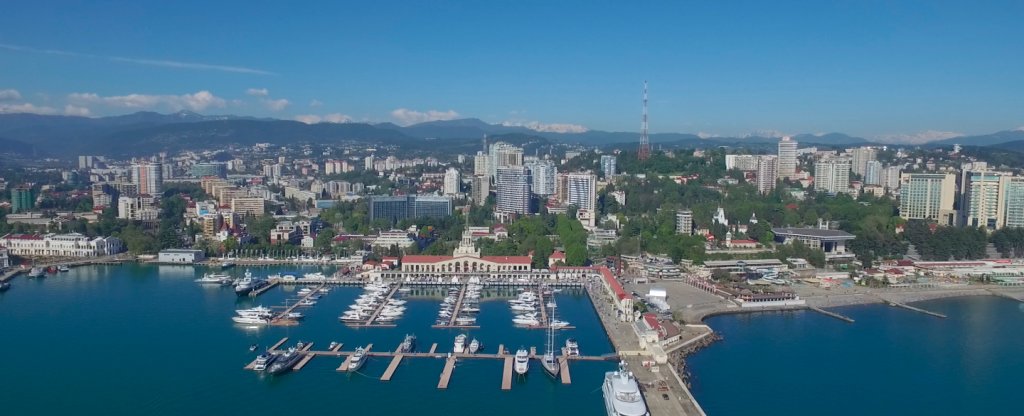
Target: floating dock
(305,359)
(433,348)
(392,367)
(501,349)
(376,313)
(832,314)
(506,375)
(564,371)
(262,290)
(279,344)
(446,374)
(543,307)
(281,318)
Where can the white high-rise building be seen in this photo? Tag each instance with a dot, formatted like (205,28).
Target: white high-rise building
(452,181)
(984,202)
(608,168)
(767,173)
(861,157)
(512,186)
(503,154)
(480,164)
(582,193)
(928,196)
(368,163)
(684,222)
(832,176)
(543,174)
(873,173)
(787,158)
(891,177)
(149,177)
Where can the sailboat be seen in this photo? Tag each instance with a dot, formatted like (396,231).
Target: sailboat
(549,360)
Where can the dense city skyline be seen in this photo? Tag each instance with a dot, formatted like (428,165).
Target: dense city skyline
(894,72)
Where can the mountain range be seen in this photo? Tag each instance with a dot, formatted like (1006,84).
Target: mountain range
(147,132)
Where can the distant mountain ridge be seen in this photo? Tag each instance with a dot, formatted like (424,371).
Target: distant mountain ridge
(146,132)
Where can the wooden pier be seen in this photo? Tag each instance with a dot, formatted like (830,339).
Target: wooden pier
(446,375)
(563,362)
(278,345)
(543,307)
(832,314)
(260,291)
(506,375)
(501,349)
(305,359)
(376,312)
(282,319)
(392,367)
(433,348)
(458,307)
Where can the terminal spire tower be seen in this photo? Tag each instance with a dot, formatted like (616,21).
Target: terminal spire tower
(645,144)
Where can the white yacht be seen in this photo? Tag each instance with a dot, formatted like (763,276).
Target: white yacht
(256,311)
(263,360)
(250,320)
(556,324)
(522,361)
(622,394)
(526,321)
(474,346)
(549,361)
(572,349)
(460,344)
(357,360)
(214,278)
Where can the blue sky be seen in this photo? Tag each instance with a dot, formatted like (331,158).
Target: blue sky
(879,69)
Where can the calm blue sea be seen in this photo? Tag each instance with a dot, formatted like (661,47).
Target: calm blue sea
(890,362)
(131,340)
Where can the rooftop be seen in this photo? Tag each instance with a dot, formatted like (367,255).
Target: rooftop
(814,233)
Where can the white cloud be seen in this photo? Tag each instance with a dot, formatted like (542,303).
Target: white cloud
(275,105)
(74,110)
(919,137)
(765,133)
(547,127)
(314,103)
(705,135)
(141,61)
(258,92)
(198,101)
(10,95)
(405,116)
(326,118)
(26,108)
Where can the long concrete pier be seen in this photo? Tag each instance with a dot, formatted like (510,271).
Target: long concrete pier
(838,316)
(392,367)
(912,308)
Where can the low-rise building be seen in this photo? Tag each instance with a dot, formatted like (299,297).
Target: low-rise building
(61,245)
(181,256)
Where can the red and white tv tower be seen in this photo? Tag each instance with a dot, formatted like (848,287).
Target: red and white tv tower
(645,144)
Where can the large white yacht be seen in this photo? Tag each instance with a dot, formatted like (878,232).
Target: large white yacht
(357,360)
(460,344)
(622,395)
(522,361)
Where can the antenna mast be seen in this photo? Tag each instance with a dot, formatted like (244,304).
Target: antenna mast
(645,143)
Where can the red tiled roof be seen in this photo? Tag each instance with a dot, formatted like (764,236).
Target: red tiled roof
(508,259)
(425,259)
(652,321)
(557,255)
(616,287)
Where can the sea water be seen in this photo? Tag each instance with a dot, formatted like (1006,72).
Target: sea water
(142,339)
(891,361)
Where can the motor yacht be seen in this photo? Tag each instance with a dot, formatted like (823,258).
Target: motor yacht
(522,361)
(357,360)
(460,344)
(622,395)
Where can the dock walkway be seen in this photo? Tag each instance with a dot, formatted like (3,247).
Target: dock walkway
(912,308)
(273,283)
(446,374)
(832,314)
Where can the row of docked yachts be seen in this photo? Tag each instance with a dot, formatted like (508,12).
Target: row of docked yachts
(375,296)
(467,310)
(261,315)
(526,309)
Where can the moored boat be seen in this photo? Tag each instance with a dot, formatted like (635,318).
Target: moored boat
(408,344)
(474,346)
(622,395)
(357,360)
(460,344)
(285,362)
(36,272)
(522,361)
(263,360)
